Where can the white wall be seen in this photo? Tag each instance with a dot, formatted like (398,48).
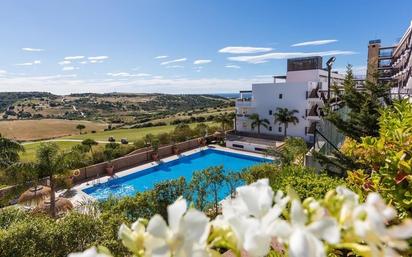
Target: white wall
(266,98)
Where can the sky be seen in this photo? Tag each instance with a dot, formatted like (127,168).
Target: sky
(182,46)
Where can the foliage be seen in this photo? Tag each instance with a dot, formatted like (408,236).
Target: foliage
(80,127)
(387,158)
(249,222)
(9,152)
(292,152)
(304,181)
(256,121)
(364,107)
(225,120)
(23,234)
(286,116)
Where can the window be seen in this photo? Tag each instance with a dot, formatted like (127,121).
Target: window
(280,129)
(237,146)
(270,128)
(259,149)
(280,96)
(270,112)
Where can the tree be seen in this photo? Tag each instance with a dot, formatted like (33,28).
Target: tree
(51,162)
(214,179)
(89,143)
(292,152)
(80,127)
(225,119)
(364,107)
(257,122)
(9,152)
(285,116)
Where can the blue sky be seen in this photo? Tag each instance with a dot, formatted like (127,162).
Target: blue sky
(201,46)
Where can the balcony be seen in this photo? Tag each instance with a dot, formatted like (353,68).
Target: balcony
(313,113)
(315,96)
(311,129)
(245,103)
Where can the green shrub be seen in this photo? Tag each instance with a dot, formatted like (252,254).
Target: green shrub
(304,181)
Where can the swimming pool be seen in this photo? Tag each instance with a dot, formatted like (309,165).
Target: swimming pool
(143,180)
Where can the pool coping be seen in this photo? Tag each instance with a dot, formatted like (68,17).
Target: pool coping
(83,195)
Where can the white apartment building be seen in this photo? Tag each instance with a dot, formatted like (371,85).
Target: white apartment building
(304,88)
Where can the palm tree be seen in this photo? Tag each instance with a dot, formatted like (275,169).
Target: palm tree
(51,162)
(89,143)
(285,116)
(9,152)
(257,122)
(225,119)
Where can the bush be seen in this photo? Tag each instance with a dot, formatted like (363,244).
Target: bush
(304,181)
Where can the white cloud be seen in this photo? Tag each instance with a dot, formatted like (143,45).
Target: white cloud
(357,70)
(65,62)
(175,67)
(244,50)
(77,57)
(28,49)
(69,68)
(143,74)
(24,64)
(174,61)
(99,58)
(316,42)
(119,74)
(161,57)
(83,62)
(3,72)
(28,63)
(126,74)
(286,55)
(231,66)
(199,62)
(60,84)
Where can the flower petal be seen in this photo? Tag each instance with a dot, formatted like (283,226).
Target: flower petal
(326,229)
(157,227)
(175,213)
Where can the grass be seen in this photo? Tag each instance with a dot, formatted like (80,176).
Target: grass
(30,149)
(28,130)
(129,134)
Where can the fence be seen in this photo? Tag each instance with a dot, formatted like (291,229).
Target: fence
(137,158)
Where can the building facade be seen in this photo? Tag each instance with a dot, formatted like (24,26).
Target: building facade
(304,88)
(392,64)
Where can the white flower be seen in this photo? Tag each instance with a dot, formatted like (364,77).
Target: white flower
(350,202)
(186,235)
(92,252)
(371,220)
(305,239)
(251,215)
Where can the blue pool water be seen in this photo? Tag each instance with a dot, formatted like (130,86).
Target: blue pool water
(183,167)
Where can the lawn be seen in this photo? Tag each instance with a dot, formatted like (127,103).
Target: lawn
(130,134)
(27,130)
(30,149)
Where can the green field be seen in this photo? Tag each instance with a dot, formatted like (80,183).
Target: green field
(129,134)
(30,149)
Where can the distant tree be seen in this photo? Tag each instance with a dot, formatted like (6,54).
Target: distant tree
(80,127)
(258,122)
(286,116)
(9,152)
(89,143)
